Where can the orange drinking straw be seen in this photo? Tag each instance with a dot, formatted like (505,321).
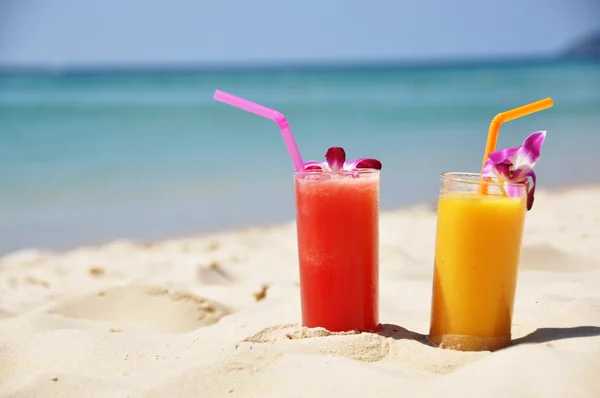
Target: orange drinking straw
(492,138)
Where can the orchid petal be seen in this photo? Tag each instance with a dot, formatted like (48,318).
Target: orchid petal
(363,163)
(488,169)
(501,170)
(530,151)
(336,157)
(513,190)
(313,165)
(503,154)
(531,192)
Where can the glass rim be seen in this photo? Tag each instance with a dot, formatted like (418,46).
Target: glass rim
(475,179)
(340,172)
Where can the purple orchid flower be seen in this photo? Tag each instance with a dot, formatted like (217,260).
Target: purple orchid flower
(515,165)
(336,161)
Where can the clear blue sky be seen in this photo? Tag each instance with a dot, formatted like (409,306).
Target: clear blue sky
(62,33)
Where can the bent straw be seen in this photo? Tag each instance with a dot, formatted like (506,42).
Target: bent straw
(492,138)
(268,113)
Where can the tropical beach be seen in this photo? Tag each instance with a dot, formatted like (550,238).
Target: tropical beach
(155,241)
(219,315)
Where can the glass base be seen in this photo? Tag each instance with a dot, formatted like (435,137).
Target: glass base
(463,342)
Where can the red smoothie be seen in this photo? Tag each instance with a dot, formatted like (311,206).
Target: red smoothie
(338,246)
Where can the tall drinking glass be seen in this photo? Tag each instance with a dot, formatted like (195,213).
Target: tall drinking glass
(337,217)
(477,251)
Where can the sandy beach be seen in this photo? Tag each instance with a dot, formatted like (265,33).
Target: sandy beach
(218,316)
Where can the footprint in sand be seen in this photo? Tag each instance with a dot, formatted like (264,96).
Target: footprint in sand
(151,307)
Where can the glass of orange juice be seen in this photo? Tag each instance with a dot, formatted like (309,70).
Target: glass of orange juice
(478,244)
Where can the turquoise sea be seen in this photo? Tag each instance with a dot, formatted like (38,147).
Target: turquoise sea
(88,157)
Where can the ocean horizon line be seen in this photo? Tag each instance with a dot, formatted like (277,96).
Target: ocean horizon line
(299,67)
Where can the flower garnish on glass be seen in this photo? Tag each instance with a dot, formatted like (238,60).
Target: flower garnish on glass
(515,165)
(336,161)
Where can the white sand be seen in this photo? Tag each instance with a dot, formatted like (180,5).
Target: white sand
(186,318)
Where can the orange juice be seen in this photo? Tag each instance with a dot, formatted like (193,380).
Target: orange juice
(477,253)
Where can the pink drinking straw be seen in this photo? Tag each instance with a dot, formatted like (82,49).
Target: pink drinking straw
(272,114)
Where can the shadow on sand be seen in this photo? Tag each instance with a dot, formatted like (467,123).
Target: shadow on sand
(399,333)
(541,335)
(545,335)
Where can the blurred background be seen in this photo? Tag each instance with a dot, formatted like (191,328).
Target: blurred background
(108,128)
